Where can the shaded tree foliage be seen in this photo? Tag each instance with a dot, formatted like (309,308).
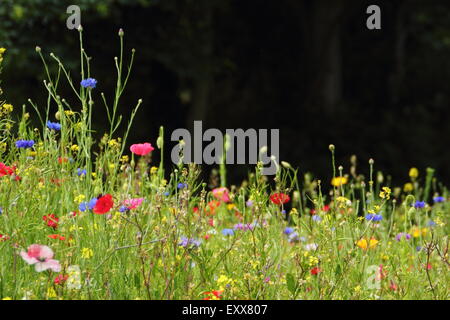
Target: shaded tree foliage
(308,67)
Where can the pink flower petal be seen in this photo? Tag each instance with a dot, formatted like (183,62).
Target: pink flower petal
(49,264)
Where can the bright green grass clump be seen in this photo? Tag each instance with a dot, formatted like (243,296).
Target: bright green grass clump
(120,228)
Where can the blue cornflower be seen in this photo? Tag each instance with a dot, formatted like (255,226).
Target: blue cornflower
(123,209)
(228,232)
(288,230)
(182,185)
(374,217)
(1,210)
(92,203)
(166,193)
(89,83)
(419,204)
(82,206)
(53,125)
(438,199)
(316,218)
(81,172)
(431,223)
(24,143)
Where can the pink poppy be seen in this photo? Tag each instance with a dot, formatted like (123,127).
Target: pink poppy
(221,194)
(42,258)
(141,149)
(133,203)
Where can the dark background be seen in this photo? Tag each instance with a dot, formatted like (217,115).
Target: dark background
(308,67)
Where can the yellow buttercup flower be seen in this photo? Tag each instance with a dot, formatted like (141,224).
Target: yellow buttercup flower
(2,50)
(339,181)
(385,193)
(87,253)
(153,170)
(364,244)
(413,173)
(408,187)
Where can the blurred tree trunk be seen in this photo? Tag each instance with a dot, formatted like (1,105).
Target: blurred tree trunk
(322,21)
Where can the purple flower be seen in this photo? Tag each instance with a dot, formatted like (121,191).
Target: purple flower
(182,185)
(53,125)
(316,218)
(24,143)
(419,204)
(438,199)
(186,243)
(249,203)
(81,172)
(293,237)
(89,83)
(123,209)
(401,235)
(431,223)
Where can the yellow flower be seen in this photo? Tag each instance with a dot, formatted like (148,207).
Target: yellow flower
(153,170)
(80,198)
(408,187)
(87,253)
(51,293)
(413,173)
(2,50)
(7,298)
(74,148)
(417,232)
(7,108)
(124,159)
(313,261)
(364,244)
(339,181)
(113,143)
(69,113)
(385,193)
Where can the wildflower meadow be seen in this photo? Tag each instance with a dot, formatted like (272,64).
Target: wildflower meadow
(91,215)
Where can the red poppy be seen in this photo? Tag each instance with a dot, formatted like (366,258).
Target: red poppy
(51,220)
(315,271)
(61,279)
(104,204)
(56,237)
(215,293)
(279,198)
(3,237)
(6,170)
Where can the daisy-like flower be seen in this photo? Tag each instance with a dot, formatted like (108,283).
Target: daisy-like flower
(41,257)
